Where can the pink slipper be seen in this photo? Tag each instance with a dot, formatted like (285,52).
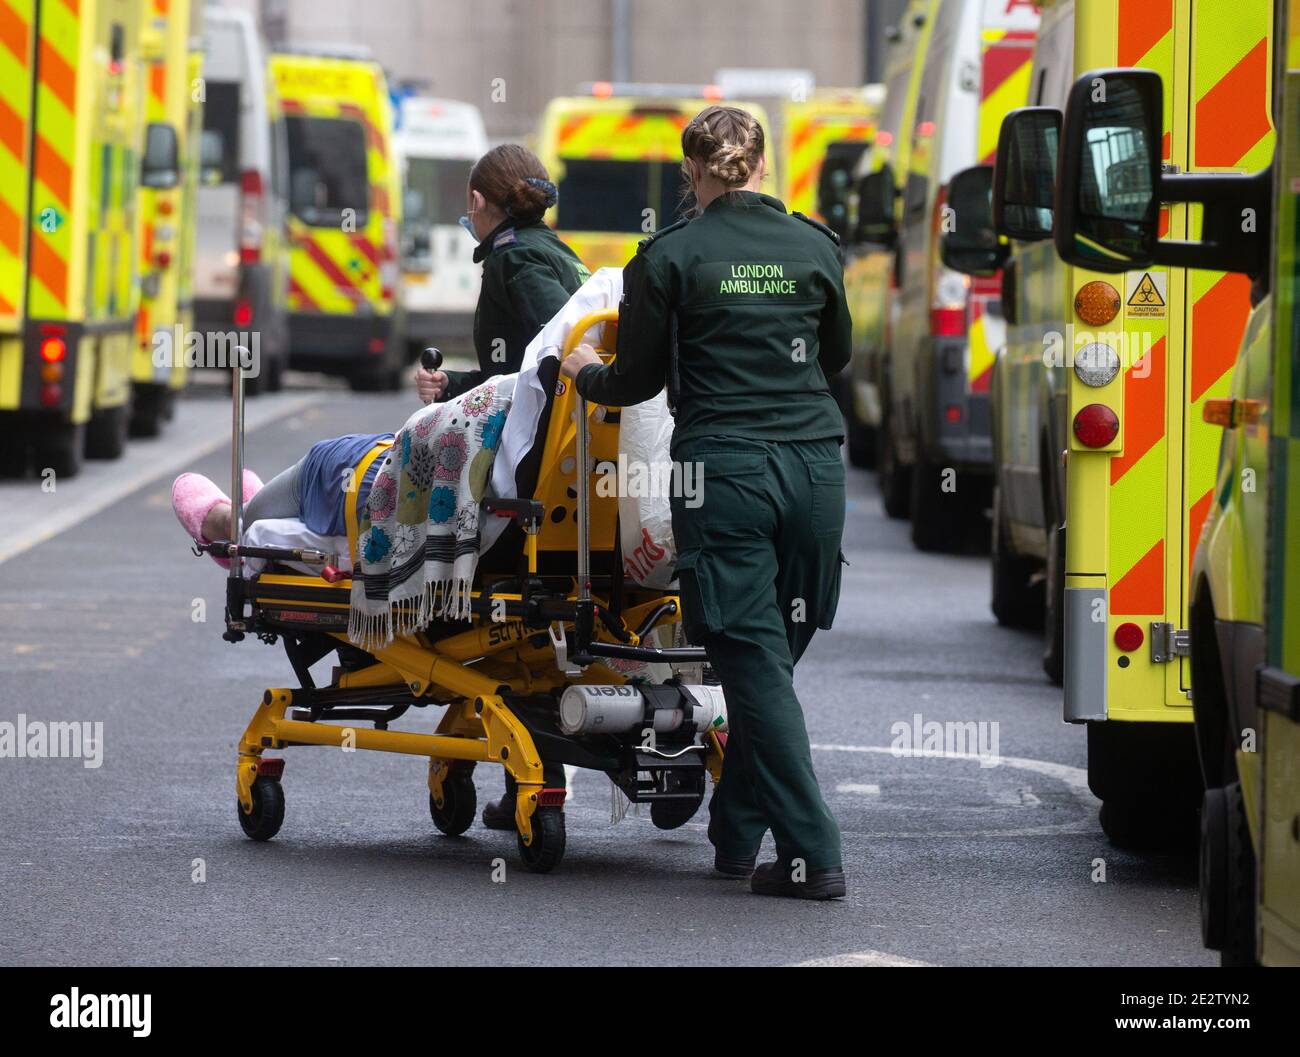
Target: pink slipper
(193,497)
(252,485)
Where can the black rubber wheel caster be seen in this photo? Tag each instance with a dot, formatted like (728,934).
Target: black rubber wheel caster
(547,848)
(267,816)
(459,805)
(670,814)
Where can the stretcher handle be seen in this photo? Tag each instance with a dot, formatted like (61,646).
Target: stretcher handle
(579,331)
(431,359)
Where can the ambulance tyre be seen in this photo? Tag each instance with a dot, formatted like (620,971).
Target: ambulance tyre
(862,442)
(106,432)
(936,513)
(1017,601)
(59,447)
(148,411)
(895,485)
(376,380)
(267,816)
(459,804)
(547,848)
(13,453)
(1227,877)
(1054,607)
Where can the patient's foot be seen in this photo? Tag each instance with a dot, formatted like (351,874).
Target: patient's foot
(252,485)
(202,509)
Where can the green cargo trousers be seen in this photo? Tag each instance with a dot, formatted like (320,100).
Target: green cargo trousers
(759,564)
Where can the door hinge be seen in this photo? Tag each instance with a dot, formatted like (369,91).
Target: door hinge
(1168,642)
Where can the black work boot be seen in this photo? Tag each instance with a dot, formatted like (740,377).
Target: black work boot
(775,879)
(501,815)
(731,865)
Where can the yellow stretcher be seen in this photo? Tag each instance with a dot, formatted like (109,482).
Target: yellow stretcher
(561,618)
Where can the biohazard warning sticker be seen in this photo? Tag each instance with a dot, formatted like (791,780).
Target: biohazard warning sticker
(1146,295)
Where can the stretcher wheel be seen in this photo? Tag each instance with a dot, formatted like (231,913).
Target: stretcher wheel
(547,848)
(459,804)
(669,814)
(264,821)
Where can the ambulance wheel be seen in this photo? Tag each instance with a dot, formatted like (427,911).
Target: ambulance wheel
(895,485)
(60,447)
(547,848)
(1227,869)
(13,454)
(148,411)
(267,816)
(935,512)
(106,432)
(459,804)
(1017,600)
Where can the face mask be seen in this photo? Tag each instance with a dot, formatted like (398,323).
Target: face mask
(468,225)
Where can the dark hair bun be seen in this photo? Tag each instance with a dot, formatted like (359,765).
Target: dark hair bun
(530,197)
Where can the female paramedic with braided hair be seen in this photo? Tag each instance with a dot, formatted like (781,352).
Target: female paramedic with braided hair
(753,298)
(528,276)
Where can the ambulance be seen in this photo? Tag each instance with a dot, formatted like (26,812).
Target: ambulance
(939,353)
(73,155)
(830,121)
(616,157)
(345,309)
(173,95)
(1121,353)
(437,143)
(870,246)
(1244,591)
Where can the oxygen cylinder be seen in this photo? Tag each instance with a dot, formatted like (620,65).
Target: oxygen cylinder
(607,709)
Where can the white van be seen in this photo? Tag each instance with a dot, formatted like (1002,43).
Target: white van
(240,283)
(437,142)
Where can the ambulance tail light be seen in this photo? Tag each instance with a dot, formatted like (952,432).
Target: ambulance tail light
(1096,425)
(243,313)
(250,213)
(949,302)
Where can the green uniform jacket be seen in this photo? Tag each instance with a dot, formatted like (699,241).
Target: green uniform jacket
(761,321)
(528,275)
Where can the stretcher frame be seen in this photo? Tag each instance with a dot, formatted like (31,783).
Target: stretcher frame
(493,676)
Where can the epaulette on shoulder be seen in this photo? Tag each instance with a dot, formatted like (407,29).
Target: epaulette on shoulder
(645,242)
(818,225)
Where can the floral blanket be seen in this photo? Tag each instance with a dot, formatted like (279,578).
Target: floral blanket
(418,534)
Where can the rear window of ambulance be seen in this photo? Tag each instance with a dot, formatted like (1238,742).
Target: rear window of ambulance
(599,194)
(219,144)
(327,170)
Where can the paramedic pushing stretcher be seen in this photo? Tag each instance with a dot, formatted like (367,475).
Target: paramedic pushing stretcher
(753,300)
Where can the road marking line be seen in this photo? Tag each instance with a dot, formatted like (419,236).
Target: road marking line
(856,787)
(862,958)
(103,490)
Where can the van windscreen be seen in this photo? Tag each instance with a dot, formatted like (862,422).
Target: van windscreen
(598,194)
(439,189)
(219,144)
(327,170)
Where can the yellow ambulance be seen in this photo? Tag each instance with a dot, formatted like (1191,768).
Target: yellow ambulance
(829,121)
(174,111)
(616,157)
(73,153)
(345,311)
(1142,340)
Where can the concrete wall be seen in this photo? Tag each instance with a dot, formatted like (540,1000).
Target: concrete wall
(544,48)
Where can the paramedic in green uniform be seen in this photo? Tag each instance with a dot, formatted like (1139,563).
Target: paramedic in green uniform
(752,300)
(528,276)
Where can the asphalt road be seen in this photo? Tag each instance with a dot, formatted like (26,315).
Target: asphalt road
(141,860)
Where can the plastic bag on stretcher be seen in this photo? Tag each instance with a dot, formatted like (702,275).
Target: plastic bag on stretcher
(645,479)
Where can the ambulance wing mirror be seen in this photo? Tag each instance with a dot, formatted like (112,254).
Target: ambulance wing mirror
(876,193)
(967,241)
(1024,173)
(160,169)
(1110,185)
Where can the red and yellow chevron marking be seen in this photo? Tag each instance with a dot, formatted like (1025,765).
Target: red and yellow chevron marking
(626,136)
(333,271)
(1139,475)
(1232,129)
(51,220)
(16,54)
(1004,83)
(809,128)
